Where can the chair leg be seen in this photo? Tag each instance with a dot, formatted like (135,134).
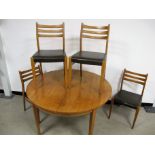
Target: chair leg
(65,72)
(102,77)
(81,71)
(70,71)
(33,67)
(41,67)
(135,118)
(111,105)
(24,103)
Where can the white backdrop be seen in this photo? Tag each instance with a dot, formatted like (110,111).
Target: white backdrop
(132,46)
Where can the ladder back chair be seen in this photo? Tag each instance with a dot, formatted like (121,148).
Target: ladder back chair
(26,76)
(52,55)
(130,99)
(90,57)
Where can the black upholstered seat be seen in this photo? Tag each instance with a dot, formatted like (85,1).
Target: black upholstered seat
(49,56)
(87,57)
(127,98)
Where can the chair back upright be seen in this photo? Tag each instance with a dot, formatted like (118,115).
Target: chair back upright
(95,32)
(135,78)
(50,31)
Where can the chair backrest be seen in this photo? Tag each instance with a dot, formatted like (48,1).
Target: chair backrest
(27,75)
(50,31)
(134,77)
(95,32)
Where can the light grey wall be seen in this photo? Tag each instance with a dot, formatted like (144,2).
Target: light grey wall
(4,78)
(132,46)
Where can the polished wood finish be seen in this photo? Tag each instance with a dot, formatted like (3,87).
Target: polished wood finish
(134,78)
(49,95)
(94,32)
(25,76)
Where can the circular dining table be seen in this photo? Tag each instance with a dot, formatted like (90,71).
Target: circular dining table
(48,93)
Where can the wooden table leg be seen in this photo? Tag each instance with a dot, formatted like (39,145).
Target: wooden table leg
(65,73)
(92,121)
(37,118)
(70,72)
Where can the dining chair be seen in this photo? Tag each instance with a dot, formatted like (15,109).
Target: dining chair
(52,55)
(26,76)
(90,57)
(127,98)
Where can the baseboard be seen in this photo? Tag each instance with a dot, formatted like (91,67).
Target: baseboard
(1,91)
(108,102)
(13,92)
(16,92)
(146,104)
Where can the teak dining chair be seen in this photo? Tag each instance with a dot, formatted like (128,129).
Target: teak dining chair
(130,99)
(26,76)
(87,57)
(52,55)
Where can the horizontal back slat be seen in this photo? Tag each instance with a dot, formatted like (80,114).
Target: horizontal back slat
(52,36)
(94,37)
(25,71)
(134,77)
(95,32)
(49,26)
(95,27)
(29,78)
(50,31)
(131,80)
(144,75)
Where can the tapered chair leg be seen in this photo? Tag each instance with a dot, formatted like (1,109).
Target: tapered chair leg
(110,109)
(80,71)
(135,118)
(70,72)
(41,68)
(24,103)
(33,67)
(102,77)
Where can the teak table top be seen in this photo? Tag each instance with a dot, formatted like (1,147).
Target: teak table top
(49,94)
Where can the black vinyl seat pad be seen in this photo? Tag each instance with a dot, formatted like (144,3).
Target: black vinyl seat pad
(49,56)
(127,98)
(87,57)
